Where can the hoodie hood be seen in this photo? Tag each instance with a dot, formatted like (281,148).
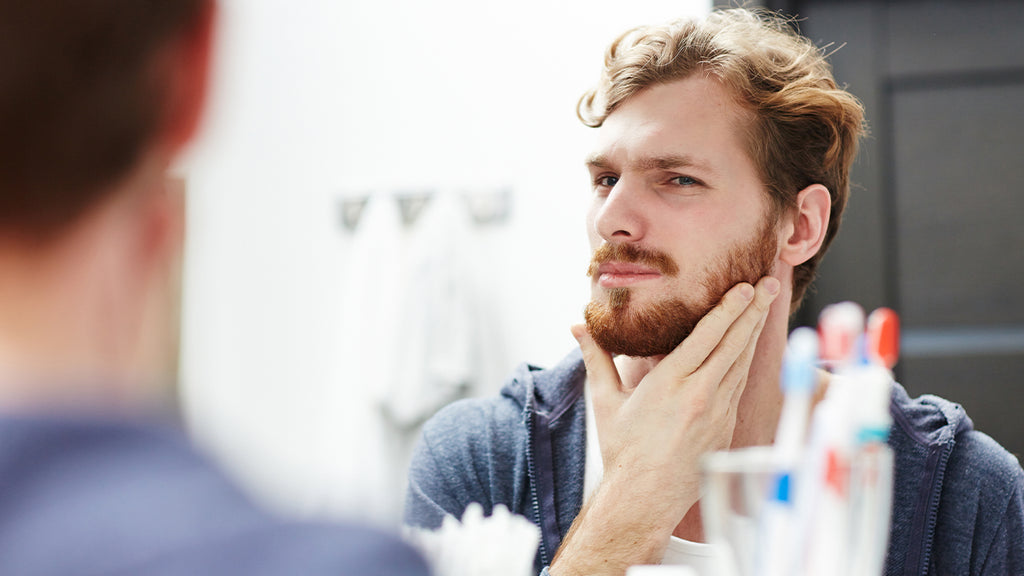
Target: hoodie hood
(924,433)
(928,419)
(550,392)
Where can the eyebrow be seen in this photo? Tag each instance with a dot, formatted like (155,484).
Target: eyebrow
(666,162)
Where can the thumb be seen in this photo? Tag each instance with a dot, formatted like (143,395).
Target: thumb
(602,375)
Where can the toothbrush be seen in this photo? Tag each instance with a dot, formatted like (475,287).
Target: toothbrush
(871,476)
(781,528)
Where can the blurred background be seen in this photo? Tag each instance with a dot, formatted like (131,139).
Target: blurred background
(386,213)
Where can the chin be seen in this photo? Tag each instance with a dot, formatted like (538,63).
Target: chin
(641,330)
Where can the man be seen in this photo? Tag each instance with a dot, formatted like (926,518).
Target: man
(96,99)
(719,181)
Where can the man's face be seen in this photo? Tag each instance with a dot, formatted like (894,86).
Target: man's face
(678,215)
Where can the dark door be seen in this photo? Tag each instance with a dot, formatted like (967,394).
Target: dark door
(935,225)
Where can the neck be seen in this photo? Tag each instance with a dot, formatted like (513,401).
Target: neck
(71,309)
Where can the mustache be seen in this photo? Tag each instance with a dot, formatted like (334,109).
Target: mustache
(634,254)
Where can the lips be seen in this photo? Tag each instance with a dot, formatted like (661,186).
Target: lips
(621,274)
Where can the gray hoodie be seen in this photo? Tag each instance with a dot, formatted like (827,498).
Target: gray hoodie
(958,504)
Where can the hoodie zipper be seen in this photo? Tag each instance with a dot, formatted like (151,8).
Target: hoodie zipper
(933,508)
(542,491)
(532,468)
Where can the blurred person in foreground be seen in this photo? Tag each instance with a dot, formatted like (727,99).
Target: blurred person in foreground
(719,179)
(96,99)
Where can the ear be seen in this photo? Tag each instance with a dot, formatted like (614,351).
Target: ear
(804,228)
(189,63)
(161,224)
(159,245)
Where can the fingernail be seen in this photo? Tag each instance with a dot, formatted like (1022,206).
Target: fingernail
(772,285)
(747,291)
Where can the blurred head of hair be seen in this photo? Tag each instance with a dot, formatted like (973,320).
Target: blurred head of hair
(85,88)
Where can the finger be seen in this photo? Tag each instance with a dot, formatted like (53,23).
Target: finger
(706,336)
(741,333)
(602,375)
(735,379)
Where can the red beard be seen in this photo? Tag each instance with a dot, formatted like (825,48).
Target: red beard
(656,329)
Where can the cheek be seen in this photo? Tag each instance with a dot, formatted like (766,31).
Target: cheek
(592,236)
(689,238)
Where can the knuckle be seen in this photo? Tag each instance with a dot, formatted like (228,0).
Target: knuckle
(714,316)
(733,347)
(764,302)
(699,404)
(734,303)
(723,314)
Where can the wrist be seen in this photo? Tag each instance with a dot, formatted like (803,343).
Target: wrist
(612,533)
(647,499)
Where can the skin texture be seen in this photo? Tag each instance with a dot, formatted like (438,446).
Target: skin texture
(670,175)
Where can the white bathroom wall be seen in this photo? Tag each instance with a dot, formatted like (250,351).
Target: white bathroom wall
(317,99)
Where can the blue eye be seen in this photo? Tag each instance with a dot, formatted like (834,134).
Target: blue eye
(685,181)
(607,181)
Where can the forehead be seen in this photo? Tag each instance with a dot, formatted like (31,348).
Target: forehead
(696,118)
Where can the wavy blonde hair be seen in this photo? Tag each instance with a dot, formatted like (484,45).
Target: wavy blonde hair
(805,128)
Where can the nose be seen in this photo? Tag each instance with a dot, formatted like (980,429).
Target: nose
(619,217)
